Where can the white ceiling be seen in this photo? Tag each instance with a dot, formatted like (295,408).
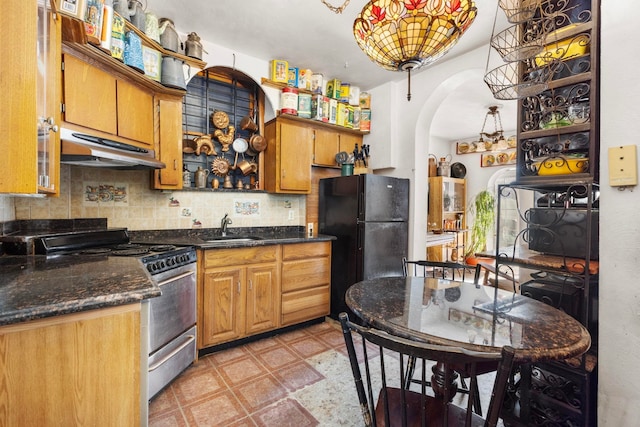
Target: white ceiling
(308,34)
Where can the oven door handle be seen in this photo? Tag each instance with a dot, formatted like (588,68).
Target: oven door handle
(174,278)
(156,365)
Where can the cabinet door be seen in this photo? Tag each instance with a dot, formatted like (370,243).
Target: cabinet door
(348,142)
(325,146)
(135,113)
(222,306)
(295,157)
(170,145)
(263,295)
(89,96)
(87,371)
(30,63)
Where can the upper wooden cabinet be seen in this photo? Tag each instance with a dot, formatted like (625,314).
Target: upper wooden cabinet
(170,143)
(30,115)
(328,142)
(295,144)
(97,100)
(287,159)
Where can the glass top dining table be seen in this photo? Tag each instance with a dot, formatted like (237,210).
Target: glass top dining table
(462,314)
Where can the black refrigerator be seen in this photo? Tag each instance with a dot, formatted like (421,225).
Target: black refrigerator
(368,214)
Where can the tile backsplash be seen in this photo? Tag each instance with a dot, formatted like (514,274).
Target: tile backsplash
(7,208)
(125,199)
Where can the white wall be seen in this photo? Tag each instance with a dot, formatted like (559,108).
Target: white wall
(619,299)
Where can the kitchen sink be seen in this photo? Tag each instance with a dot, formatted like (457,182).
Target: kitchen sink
(231,239)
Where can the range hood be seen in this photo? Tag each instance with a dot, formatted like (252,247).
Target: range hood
(83,149)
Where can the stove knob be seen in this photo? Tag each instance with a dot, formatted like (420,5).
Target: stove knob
(150,268)
(162,265)
(171,261)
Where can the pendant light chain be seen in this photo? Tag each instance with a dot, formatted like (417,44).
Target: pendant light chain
(334,8)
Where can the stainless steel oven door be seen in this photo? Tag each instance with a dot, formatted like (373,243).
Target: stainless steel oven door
(174,311)
(170,360)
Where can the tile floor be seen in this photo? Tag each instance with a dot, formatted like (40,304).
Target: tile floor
(299,378)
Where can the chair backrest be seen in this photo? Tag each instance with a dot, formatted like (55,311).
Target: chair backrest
(441,269)
(384,401)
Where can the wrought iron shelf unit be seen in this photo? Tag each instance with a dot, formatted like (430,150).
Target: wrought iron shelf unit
(567,111)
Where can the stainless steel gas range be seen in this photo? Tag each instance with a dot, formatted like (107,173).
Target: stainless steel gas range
(169,321)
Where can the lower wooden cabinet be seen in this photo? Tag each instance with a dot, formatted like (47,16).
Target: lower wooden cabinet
(247,291)
(306,281)
(239,293)
(75,369)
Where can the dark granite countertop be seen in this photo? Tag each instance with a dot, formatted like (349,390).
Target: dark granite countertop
(34,287)
(211,238)
(38,286)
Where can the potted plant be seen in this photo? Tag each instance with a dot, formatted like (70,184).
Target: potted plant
(482,207)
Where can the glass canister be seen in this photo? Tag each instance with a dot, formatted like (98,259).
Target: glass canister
(444,166)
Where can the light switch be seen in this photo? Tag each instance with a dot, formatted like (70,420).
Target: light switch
(623,170)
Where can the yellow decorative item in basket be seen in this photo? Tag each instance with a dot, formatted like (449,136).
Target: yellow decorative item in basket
(562,166)
(564,49)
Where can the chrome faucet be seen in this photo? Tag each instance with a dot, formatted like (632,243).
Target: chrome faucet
(225,223)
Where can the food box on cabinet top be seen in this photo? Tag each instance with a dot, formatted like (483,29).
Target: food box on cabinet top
(343,114)
(354,96)
(293,77)
(320,108)
(365,120)
(357,112)
(317,83)
(117,37)
(304,79)
(304,105)
(279,71)
(93,21)
(333,89)
(333,110)
(365,100)
(345,90)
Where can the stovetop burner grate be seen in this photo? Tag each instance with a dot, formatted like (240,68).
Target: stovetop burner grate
(94,251)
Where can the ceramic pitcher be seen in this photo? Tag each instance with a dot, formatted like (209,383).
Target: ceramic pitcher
(201,177)
(168,35)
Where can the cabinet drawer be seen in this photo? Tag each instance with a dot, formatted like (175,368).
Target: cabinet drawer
(305,273)
(306,250)
(304,305)
(240,256)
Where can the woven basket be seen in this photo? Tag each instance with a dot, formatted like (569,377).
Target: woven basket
(518,11)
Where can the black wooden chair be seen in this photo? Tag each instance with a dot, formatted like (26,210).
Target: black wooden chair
(441,270)
(451,271)
(383,404)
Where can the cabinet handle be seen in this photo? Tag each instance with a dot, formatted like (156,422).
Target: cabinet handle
(284,173)
(250,285)
(175,164)
(238,287)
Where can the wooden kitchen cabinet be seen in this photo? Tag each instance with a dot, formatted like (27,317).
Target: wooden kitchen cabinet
(287,159)
(98,100)
(328,142)
(306,281)
(30,83)
(170,146)
(76,369)
(238,293)
(447,212)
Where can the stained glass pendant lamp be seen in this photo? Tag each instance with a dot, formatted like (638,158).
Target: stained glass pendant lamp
(404,35)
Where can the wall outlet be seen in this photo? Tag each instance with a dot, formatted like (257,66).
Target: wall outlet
(291,215)
(310,229)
